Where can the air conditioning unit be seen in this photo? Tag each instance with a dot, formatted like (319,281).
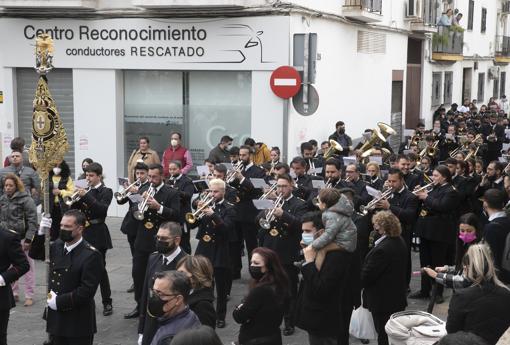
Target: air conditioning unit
(493,73)
(413,8)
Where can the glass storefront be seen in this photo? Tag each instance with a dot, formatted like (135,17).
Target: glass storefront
(202,105)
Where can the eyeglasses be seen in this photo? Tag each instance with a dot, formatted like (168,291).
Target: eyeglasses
(162,294)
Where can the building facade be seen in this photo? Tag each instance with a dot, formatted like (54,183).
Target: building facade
(202,67)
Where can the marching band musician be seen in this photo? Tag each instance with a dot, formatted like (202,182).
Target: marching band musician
(186,188)
(94,203)
(303,181)
(283,237)
(436,226)
(494,138)
(163,206)
(492,179)
(403,204)
(410,179)
(128,226)
(374,173)
(308,155)
(213,235)
(245,209)
(353,180)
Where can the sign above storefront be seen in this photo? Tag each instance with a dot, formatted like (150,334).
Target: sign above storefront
(248,43)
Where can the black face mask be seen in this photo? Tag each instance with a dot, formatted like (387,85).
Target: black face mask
(165,247)
(155,306)
(66,235)
(341,130)
(256,272)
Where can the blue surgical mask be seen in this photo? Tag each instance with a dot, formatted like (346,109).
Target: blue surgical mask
(307,238)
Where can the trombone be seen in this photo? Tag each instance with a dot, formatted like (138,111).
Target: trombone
(143,206)
(333,147)
(125,193)
(265,222)
(429,151)
(269,191)
(70,200)
(231,174)
(387,194)
(427,188)
(191,218)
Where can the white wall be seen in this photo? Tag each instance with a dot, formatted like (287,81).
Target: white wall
(7,110)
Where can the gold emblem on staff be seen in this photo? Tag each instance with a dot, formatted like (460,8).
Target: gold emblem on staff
(423,213)
(87,223)
(149,225)
(49,295)
(206,238)
(273,232)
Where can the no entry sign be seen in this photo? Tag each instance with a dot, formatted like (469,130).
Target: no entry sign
(285,82)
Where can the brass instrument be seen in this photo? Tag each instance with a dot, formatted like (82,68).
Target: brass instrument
(315,201)
(427,188)
(375,138)
(333,147)
(70,200)
(231,174)
(472,153)
(386,130)
(143,206)
(191,218)
(429,151)
(387,194)
(427,179)
(268,193)
(311,168)
(119,196)
(265,223)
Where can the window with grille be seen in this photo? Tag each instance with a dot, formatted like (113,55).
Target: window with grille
(502,83)
(448,81)
(484,20)
(481,88)
(471,12)
(436,88)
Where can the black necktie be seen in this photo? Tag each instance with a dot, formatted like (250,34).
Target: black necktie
(66,251)
(165,261)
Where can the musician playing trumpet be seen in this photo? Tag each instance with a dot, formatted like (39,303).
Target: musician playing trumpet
(214,229)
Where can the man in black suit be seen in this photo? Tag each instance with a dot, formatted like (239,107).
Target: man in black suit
(410,179)
(322,292)
(128,225)
(353,180)
(247,193)
(403,204)
(303,181)
(13,265)
(166,258)
(494,138)
(283,236)
(493,179)
(332,176)
(75,271)
(496,231)
(213,242)
(186,188)
(94,204)
(162,207)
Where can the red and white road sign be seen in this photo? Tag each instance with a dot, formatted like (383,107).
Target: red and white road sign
(285,81)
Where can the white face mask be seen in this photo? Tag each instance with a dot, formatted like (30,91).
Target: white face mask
(307,238)
(174,142)
(57,171)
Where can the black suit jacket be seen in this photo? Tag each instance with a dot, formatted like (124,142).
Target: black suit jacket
(148,325)
(74,277)
(128,225)
(499,131)
(411,180)
(13,264)
(214,232)
(245,209)
(303,187)
(186,189)
(383,276)
(94,205)
(285,240)
(437,220)
(405,206)
(148,227)
(495,233)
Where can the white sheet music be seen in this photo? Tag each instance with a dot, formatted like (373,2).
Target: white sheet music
(81,184)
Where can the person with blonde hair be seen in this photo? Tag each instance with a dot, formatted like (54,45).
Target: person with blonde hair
(383,276)
(374,173)
(200,272)
(18,212)
(483,307)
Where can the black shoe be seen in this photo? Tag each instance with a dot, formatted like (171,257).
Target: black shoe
(107,309)
(288,330)
(418,295)
(131,289)
(133,314)
(220,324)
(365,341)
(439,299)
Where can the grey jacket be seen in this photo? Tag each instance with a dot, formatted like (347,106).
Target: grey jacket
(19,213)
(168,328)
(338,226)
(27,175)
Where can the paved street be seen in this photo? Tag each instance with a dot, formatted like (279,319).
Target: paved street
(26,326)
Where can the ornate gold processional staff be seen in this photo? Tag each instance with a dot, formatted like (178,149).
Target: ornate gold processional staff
(49,140)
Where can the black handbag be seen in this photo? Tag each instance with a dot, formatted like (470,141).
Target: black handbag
(37,251)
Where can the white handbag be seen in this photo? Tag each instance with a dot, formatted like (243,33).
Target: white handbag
(362,323)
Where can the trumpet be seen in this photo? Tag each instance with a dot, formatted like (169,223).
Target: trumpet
(231,174)
(70,200)
(270,190)
(312,167)
(387,194)
(125,193)
(191,218)
(265,222)
(143,206)
(315,201)
(427,188)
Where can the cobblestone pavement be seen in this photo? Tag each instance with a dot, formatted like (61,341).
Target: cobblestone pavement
(26,327)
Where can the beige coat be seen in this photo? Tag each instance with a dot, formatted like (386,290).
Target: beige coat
(151,157)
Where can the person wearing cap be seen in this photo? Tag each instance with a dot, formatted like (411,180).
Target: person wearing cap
(221,153)
(144,154)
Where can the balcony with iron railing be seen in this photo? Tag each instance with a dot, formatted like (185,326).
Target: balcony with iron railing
(367,11)
(447,43)
(422,15)
(502,51)
(50,4)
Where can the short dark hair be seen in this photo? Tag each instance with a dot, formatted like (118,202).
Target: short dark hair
(329,196)
(181,284)
(226,139)
(79,217)
(141,166)
(204,335)
(298,160)
(276,149)
(287,178)
(246,147)
(156,166)
(249,142)
(17,143)
(87,160)
(450,160)
(144,138)
(234,151)
(339,123)
(281,165)
(335,162)
(220,168)
(174,228)
(444,171)
(395,171)
(402,156)
(95,168)
(176,162)
(179,134)
(462,338)
(313,142)
(314,217)
(306,146)
(498,166)
(495,198)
